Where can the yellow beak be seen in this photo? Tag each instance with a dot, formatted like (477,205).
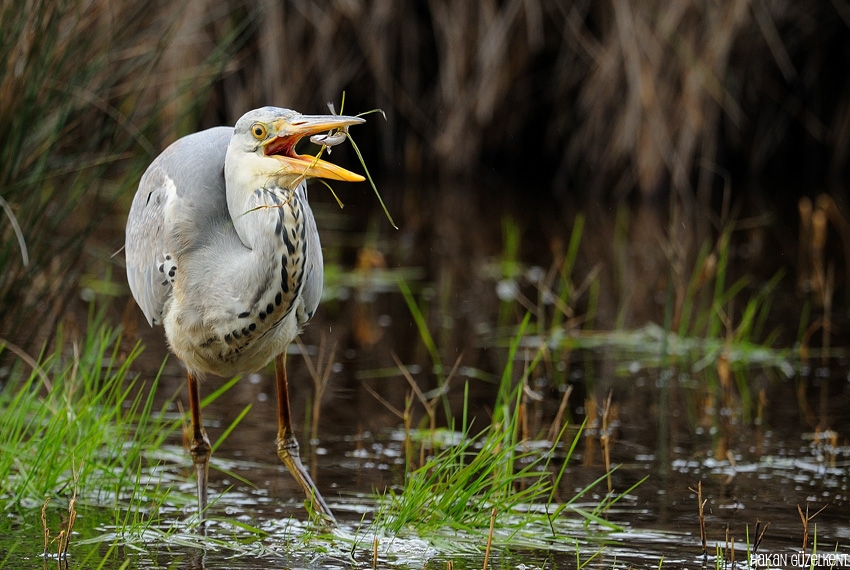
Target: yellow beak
(291,130)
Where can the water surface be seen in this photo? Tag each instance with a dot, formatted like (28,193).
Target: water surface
(763,435)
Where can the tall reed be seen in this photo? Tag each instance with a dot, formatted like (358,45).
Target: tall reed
(608,97)
(80,114)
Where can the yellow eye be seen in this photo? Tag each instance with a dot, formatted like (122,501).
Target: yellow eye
(259,131)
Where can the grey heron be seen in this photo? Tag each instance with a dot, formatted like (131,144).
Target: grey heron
(222,250)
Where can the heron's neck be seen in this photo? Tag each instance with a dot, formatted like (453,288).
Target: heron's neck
(268,219)
(255,199)
(272,223)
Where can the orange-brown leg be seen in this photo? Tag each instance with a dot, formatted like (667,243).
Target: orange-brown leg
(200,447)
(287,445)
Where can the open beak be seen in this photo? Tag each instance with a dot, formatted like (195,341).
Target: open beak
(292,130)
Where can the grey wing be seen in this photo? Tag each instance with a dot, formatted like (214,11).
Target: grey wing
(314,274)
(187,175)
(144,244)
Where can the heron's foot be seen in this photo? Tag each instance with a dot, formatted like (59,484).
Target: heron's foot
(288,451)
(200,451)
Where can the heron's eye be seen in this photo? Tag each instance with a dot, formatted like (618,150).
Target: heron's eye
(259,131)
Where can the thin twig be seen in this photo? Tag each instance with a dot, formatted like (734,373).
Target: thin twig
(490,537)
(22,354)
(701,511)
(17,229)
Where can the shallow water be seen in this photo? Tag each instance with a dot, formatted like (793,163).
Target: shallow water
(761,447)
(769,471)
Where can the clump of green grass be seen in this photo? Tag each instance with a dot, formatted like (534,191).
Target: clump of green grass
(80,432)
(712,308)
(79,422)
(494,478)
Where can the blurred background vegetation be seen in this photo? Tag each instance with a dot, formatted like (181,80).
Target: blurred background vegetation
(692,104)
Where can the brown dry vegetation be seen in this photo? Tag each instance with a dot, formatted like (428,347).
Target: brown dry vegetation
(79,106)
(601,98)
(627,94)
(623,95)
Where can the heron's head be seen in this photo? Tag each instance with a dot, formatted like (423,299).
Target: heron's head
(263,146)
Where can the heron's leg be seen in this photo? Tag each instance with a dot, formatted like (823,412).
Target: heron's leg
(287,445)
(200,447)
